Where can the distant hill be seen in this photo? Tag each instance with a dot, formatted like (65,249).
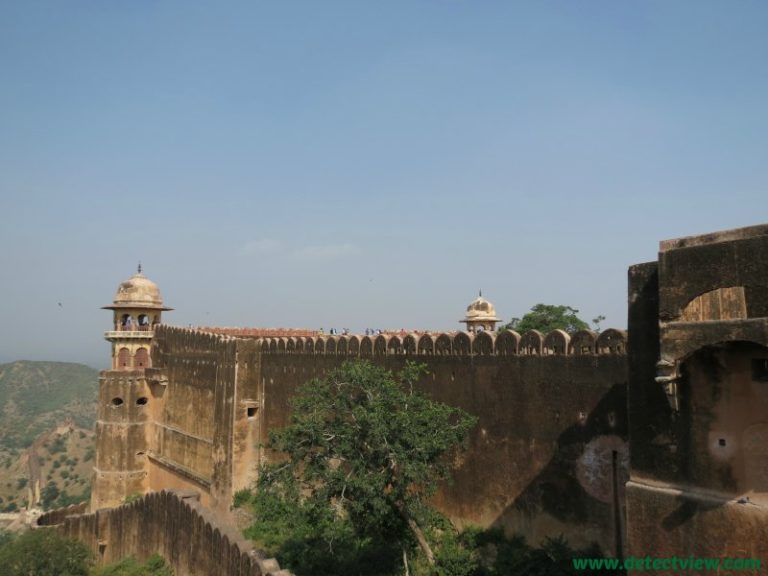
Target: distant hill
(36,396)
(47,414)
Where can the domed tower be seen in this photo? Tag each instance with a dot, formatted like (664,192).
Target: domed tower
(137,309)
(126,403)
(481,315)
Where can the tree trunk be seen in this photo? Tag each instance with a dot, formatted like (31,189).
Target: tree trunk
(422,541)
(420,538)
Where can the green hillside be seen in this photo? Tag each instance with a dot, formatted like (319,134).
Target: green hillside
(54,472)
(36,396)
(47,413)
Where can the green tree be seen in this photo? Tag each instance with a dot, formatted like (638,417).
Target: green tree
(132,497)
(154,566)
(5,538)
(597,320)
(43,552)
(48,495)
(59,445)
(364,451)
(548,317)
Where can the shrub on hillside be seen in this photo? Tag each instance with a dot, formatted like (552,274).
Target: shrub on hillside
(43,552)
(154,566)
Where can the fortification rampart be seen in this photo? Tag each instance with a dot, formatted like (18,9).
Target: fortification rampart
(204,437)
(548,456)
(257,332)
(507,343)
(194,380)
(172,524)
(549,453)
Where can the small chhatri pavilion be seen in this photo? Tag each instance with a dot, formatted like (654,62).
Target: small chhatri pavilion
(481,315)
(137,310)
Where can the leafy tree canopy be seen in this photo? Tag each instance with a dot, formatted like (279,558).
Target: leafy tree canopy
(364,451)
(548,317)
(43,552)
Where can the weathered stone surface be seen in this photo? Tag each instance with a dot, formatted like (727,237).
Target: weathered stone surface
(539,416)
(688,272)
(698,398)
(170,523)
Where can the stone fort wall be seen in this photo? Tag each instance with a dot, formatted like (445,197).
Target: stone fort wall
(547,457)
(172,524)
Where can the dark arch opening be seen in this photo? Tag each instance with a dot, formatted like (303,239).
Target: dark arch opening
(729,452)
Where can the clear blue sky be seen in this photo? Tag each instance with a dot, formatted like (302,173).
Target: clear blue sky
(356,164)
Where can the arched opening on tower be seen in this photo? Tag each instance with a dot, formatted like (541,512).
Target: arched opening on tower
(123,359)
(141,358)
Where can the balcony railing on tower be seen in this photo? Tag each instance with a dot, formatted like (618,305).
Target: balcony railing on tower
(132,331)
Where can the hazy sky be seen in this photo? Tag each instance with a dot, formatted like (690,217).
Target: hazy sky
(363,164)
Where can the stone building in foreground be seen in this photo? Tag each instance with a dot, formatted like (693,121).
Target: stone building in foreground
(698,398)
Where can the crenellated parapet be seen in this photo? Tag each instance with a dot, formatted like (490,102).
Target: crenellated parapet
(556,342)
(508,343)
(532,343)
(193,335)
(174,345)
(612,341)
(258,332)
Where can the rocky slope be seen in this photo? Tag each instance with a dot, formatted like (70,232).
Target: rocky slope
(47,413)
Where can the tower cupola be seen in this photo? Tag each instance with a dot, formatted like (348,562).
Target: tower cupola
(137,309)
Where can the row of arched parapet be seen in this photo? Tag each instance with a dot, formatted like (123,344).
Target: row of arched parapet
(507,343)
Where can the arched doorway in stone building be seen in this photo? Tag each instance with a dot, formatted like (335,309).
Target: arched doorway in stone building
(723,423)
